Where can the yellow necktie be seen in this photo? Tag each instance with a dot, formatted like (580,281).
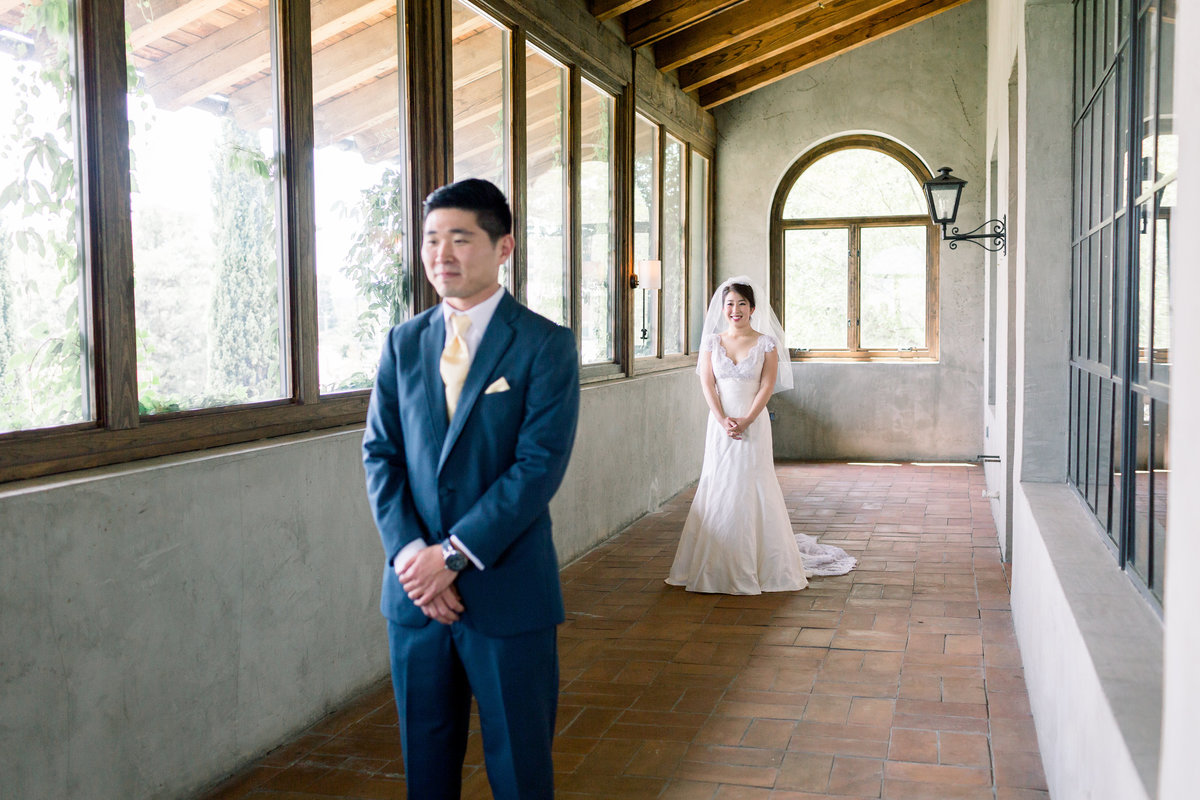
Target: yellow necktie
(456,360)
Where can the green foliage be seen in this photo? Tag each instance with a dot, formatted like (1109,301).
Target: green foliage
(8,322)
(41,374)
(375,261)
(244,355)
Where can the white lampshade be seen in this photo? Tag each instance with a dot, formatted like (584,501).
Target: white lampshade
(649,274)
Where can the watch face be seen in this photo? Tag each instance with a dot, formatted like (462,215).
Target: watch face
(455,561)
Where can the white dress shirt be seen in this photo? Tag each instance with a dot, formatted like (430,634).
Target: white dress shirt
(480,314)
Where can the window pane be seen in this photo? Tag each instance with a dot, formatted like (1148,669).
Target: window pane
(361,209)
(816,274)
(1160,369)
(1145,295)
(1118,477)
(697,249)
(1104,464)
(1139,557)
(480,63)
(205,182)
(645,231)
(597,286)
(1160,472)
(1103,321)
(44,372)
(1167,159)
(546,286)
(673,296)
(893,287)
(855,183)
(1145,163)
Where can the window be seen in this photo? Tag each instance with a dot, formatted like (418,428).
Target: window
(206,264)
(1124,191)
(646,208)
(45,375)
(361,198)
(479,54)
(854,254)
(547,258)
(698,268)
(598,250)
(674,215)
(670,216)
(230,272)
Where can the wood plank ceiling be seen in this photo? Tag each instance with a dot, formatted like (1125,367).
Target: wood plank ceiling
(723,49)
(216,54)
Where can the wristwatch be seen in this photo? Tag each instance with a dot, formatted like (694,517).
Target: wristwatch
(455,561)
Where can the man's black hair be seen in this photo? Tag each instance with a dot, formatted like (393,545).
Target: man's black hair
(473,194)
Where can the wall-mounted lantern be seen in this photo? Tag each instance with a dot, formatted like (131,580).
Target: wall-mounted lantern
(943,194)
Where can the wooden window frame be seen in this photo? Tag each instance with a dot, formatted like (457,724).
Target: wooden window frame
(779,227)
(661,361)
(119,434)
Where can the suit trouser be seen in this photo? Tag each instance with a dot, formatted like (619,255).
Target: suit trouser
(436,669)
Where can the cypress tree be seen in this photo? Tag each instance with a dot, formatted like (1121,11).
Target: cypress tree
(244,340)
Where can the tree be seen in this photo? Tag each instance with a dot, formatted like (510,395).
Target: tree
(244,355)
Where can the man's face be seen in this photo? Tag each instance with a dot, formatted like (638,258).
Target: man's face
(460,259)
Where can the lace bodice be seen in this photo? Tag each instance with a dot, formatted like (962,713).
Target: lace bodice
(748,369)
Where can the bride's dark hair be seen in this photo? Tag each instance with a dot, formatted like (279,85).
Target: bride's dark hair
(744,289)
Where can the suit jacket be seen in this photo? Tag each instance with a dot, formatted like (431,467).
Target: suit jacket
(488,475)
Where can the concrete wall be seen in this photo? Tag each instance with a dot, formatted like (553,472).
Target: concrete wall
(910,87)
(1091,648)
(1181,692)
(167,620)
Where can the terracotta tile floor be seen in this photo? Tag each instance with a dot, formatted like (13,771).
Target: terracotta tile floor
(901,680)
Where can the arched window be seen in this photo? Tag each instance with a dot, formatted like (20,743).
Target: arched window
(854,270)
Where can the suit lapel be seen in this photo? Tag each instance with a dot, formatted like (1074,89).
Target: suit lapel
(433,341)
(495,342)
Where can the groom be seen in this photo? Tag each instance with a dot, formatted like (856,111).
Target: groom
(467,438)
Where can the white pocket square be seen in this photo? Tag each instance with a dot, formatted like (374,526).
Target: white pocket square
(500,385)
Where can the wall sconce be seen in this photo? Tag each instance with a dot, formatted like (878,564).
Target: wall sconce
(943,194)
(648,277)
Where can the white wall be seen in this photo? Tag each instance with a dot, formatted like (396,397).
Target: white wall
(1112,688)
(1181,694)
(167,620)
(923,86)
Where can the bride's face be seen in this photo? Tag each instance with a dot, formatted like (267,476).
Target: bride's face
(737,311)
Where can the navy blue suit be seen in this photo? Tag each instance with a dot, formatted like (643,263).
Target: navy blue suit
(486,477)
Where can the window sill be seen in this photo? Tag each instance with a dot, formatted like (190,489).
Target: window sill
(1122,634)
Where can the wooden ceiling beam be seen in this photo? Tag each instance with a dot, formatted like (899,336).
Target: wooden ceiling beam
(725,29)
(373,105)
(168,22)
(823,49)
(607,9)
(338,68)
(776,42)
(238,51)
(649,23)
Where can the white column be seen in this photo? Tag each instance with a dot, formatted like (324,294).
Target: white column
(1181,603)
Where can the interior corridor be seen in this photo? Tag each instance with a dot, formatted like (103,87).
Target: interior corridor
(901,680)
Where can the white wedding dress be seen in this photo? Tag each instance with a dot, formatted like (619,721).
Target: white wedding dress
(738,538)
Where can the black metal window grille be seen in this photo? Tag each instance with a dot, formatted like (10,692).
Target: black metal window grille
(1124,192)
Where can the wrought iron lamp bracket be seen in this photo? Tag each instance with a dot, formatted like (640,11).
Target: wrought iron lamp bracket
(993,239)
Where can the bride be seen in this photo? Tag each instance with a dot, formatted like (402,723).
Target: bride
(738,538)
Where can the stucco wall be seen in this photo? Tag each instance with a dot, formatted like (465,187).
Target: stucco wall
(1181,649)
(924,87)
(167,620)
